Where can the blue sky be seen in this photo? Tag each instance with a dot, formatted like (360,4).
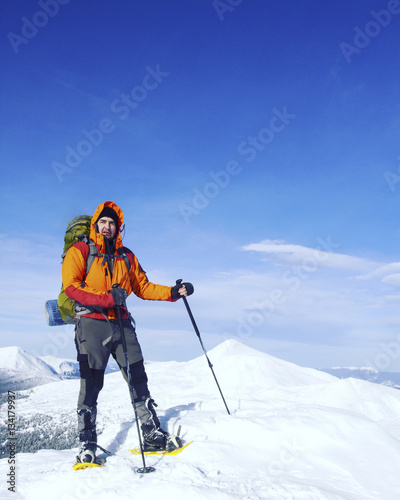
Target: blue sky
(253,147)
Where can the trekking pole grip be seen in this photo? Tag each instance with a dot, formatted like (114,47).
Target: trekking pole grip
(178,282)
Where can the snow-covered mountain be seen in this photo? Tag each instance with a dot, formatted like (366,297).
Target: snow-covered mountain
(21,370)
(68,368)
(293,433)
(392,379)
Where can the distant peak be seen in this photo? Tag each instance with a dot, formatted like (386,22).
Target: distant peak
(16,359)
(232,346)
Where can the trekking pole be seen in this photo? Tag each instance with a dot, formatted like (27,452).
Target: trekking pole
(178,282)
(144,469)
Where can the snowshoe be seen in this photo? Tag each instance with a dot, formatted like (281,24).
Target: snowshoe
(100,462)
(136,451)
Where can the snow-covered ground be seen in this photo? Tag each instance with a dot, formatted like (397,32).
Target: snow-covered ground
(293,433)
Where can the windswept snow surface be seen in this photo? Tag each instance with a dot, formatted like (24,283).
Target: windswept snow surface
(293,434)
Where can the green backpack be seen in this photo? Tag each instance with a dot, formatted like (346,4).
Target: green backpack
(79,230)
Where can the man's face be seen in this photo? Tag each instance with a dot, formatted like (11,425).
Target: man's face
(106,227)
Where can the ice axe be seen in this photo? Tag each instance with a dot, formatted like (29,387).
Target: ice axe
(179,282)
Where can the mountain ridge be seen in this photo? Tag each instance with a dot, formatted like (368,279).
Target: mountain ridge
(21,370)
(391,379)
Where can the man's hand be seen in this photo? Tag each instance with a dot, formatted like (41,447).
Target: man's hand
(119,295)
(181,290)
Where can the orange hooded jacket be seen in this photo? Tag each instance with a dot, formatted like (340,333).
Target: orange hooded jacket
(93,289)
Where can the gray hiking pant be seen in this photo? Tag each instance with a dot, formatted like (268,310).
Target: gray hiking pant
(95,340)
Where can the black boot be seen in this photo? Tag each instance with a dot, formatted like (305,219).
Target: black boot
(154,438)
(87,453)
(87,434)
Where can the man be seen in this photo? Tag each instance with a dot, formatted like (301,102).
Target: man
(97,333)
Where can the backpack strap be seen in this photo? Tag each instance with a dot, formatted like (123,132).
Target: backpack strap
(94,253)
(122,253)
(91,256)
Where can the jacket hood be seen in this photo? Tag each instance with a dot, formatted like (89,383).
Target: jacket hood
(97,237)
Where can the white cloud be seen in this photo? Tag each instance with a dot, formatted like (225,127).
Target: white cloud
(321,256)
(384,271)
(392,279)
